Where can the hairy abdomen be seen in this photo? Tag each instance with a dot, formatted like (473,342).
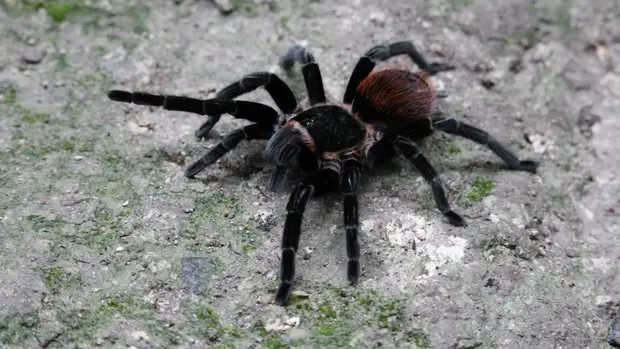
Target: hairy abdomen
(397,97)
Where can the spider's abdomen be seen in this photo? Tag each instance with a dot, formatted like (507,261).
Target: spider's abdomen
(331,128)
(397,97)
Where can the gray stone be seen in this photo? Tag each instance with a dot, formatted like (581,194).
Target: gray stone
(196,273)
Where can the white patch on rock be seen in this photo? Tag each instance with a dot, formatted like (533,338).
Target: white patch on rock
(368,225)
(277,325)
(405,230)
(452,252)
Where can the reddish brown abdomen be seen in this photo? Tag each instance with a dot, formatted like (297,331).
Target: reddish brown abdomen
(398,97)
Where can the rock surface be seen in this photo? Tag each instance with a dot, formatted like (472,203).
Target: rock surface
(106,244)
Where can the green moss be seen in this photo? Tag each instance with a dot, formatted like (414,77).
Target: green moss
(61,61)
(214,211)
(247,7)
(480,188)
(82,325)
(17,328)
(39,223)
(9,95)
(60,10)
(419,337)
(453,149)
(56,279)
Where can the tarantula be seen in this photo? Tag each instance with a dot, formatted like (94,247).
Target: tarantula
(383,113)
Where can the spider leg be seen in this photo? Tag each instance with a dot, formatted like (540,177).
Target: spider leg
(279,91)
(250,132)
(290,237)
(350,184)
(379,53)
(252,111)
(453,126)
(413,154)
(310,70)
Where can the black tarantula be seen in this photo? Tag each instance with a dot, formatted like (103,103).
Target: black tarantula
(383,113)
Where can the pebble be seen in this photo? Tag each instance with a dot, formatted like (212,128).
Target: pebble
(614,333)
(378,18)
(224,6)
(120,249)
(307,253)
(33,56)
(603,300)
(293,321)
(78,158)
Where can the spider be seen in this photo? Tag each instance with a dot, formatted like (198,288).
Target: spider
(383,113)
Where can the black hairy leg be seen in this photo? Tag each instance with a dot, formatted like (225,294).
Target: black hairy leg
(250,132)
(411,151)
(453,126)
(350,184)
(290,237)
(378,53)
(279,91)
(252,111)
(310,70)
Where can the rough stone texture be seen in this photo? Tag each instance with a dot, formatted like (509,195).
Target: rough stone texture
(96,217)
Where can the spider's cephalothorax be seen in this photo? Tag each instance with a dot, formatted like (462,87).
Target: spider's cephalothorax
(383,113)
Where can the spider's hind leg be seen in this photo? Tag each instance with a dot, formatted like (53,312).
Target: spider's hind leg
(379,53)
(453,126)
(310,70)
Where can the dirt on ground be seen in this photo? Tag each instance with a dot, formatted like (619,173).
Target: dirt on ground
(105,243)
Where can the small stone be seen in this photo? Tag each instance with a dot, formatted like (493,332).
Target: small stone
(603,300)
(33,56)
(293,321)
(226,213)
(307,253)
(120,249)
(196,273)
(224,6)
(78,158)
(614,333)
(378,18)
(124,204)
(300,294)
(99,341)
(265,220)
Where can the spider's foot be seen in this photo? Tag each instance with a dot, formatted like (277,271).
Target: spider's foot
(353,271)
(437,67)
(528,165)
(283,293)
(204,129)
(455,219)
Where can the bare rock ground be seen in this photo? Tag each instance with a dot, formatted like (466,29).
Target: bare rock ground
(104,242)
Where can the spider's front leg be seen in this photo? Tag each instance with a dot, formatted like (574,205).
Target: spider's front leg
(350,184)
(290,237)
(413,154)
(279,91)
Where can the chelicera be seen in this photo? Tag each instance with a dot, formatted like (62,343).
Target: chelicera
(384,112)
